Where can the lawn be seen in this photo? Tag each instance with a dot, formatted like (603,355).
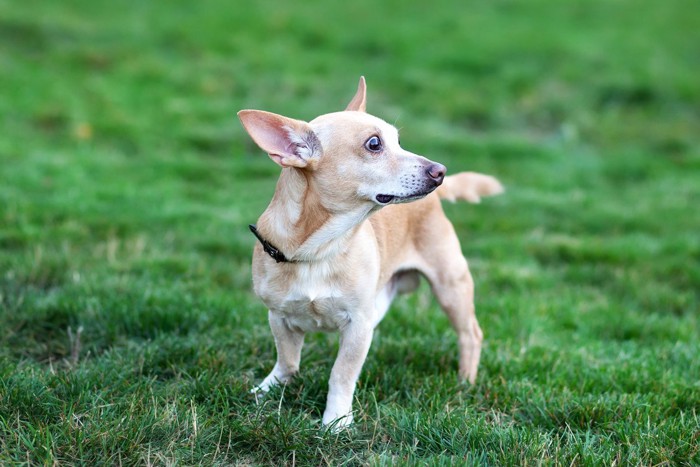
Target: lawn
(129,333)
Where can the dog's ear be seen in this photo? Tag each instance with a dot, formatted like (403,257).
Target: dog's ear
(360,100)
(289,142)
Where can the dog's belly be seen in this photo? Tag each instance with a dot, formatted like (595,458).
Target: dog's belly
(317,314)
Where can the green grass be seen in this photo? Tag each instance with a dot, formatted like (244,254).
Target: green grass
(128,330)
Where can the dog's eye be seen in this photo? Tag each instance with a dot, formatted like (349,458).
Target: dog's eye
(374,144)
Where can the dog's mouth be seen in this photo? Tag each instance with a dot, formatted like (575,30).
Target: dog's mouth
(394,199)
(385,199)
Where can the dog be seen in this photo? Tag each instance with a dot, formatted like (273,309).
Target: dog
(338,240)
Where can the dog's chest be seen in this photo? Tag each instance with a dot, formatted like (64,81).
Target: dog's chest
(311,299)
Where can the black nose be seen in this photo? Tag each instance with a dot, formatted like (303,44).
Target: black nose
(436,172)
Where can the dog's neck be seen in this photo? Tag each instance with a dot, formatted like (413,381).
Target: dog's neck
(301,226)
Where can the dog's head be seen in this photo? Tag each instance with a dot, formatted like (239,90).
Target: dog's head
(348,156)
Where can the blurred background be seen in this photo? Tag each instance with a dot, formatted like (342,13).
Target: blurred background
(127,184)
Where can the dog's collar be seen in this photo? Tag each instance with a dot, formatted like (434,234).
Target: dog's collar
(268,247)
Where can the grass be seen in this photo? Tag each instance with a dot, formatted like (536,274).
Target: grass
(128,330)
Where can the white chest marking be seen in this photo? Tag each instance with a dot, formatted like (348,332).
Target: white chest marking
(313,301)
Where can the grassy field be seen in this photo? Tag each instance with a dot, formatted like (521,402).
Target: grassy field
(128,330)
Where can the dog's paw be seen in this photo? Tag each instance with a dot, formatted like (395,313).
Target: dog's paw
(335,424)
(259,392)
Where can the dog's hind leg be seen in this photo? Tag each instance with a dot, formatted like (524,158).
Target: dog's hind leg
(288,343)
(453,287)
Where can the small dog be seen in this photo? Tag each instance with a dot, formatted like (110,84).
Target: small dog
(338,242)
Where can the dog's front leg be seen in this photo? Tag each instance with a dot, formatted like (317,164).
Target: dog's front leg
(288,342)
(355,340)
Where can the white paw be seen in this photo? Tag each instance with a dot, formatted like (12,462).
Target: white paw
(259,392)
(336,423)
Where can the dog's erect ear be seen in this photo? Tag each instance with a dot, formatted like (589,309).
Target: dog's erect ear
(360,100)
(289,142)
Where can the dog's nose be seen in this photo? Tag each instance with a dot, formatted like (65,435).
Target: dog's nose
(436,172)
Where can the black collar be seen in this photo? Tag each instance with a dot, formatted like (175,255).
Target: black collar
(267,246)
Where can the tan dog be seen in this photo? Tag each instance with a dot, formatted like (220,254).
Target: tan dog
(336,244)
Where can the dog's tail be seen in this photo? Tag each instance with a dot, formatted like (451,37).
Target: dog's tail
(469,186)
